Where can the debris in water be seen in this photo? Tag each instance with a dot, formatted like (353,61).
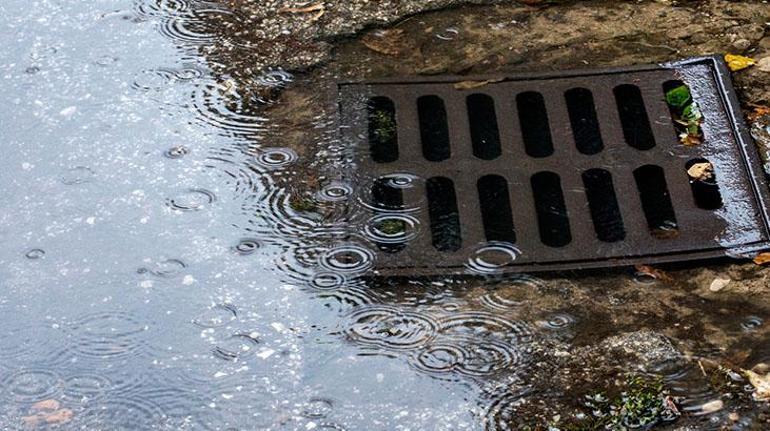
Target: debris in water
(470,85)
(759,111)
(763,64)
(701,171)
(652,272)
(738,62)
(687,115)
(761,384)
(762,258)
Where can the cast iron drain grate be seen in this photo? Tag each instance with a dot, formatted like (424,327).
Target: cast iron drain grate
(554,171)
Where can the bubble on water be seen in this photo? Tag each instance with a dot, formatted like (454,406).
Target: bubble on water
(35,253)
(217,316)
(752,323)
(348,258)
(167,268)
(108,335)
(192,200)
(176,152)
(390,328)
(335,191)
(317,408)
(275,158)
(77,175)
(492,257)
(235,347)
(247,246)
(31,70)
(328,281)
(33,384)
(106,60)
(557,321)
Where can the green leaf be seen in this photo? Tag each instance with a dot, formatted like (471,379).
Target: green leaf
(678,97)
(691,113)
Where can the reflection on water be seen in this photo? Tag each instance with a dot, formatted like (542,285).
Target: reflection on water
(177,258)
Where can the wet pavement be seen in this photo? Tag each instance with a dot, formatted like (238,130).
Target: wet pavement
(178,255)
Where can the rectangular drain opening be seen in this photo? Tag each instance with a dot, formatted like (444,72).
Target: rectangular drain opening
(535,172)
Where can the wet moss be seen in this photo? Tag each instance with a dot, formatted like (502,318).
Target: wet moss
(392,226)
(383,126)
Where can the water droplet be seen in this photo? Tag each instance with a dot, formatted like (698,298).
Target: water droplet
(350,258)
(176,152)
(247,246)
(390,328)
(450,33)
(275,158)
(192,200)
(34,254)
(492,257)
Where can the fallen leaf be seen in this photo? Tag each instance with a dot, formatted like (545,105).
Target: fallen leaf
(690,140)
(762,258)
(701,171)
(388,42)
(59,417)
(738,62)
(49,404)
(319,8)
(761,384)
(759,111)
(653,272)
(470,85)
(719,284)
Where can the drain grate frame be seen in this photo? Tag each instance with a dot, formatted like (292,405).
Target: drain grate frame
(534,107)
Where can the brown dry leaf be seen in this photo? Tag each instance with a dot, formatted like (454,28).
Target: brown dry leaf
(470,85)
(701,171)
(759,111)
(653,272)
(738,62)
(388,42)
(59,417)
(761,384)
(49,404)
(762,258)
(689,140)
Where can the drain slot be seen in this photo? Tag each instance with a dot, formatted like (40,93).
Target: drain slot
(570,170)
(535,129)
(496,212)
(603,203)
(585,124)
(656,201)
(485,133)
(444,215)
(434,132)
(633,117)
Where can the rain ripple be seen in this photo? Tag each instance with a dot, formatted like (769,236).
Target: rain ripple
(390,328)
(108,335)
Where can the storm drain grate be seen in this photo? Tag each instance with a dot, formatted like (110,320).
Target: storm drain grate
(555,171)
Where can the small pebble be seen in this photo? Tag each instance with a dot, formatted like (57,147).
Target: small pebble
(712,406)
